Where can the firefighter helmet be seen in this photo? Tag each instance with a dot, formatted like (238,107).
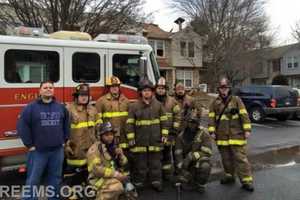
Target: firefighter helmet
(161,82)
(113,81)
(105,127)
(145,83)
(179,85)
(82,89)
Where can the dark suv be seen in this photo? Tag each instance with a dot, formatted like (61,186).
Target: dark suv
(268,100)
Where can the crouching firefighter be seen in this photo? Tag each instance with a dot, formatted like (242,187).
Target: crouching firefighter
(193,150)
(83,118)
(105,165)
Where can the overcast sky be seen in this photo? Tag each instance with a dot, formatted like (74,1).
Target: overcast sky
(282,13)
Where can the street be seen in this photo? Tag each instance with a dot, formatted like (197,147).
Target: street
(274,153)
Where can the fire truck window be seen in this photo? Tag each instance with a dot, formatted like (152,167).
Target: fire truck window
(31,66)
(126,68)
(86,67)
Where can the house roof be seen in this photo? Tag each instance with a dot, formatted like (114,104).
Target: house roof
(154,31)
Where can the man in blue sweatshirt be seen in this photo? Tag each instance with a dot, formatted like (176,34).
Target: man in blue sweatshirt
(44,129)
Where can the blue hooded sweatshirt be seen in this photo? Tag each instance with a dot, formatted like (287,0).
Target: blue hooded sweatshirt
(44,125)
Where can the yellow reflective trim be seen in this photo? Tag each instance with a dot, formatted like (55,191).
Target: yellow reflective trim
(169,115)
(147,122)
(164,132)
(99,121)
(211,129)
(243,111)
(167,167)
(247,126)
(130,136)
(211,114)
(83,124)
(236,116)
(154,149)
(231,142)
(176,125)
(76,162)
(247,179)
(206,150)
(99,183)
(108,172)
(123,145)
(176,109)
(163,118)
(92,163)
(197,155)
(130,121)
(100,115)
(224,117)
(138,149)
(115,114)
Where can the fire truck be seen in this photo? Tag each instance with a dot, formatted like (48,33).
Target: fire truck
(67,59)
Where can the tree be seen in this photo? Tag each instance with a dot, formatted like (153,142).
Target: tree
(92,16)
(296,31)
(232,28)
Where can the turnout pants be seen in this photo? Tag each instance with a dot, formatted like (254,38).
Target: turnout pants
(234,159)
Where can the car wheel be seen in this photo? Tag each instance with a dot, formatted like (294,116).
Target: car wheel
(256,114)
(283,117)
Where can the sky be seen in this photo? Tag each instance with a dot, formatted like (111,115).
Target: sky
(282,14)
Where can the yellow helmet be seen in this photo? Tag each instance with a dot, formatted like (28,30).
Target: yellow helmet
(112,81)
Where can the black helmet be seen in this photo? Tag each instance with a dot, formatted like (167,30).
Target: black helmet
(145,83)
(104,128)
(82,89)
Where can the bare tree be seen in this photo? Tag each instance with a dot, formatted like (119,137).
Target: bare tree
(232,27)
(296,31)
(92,16)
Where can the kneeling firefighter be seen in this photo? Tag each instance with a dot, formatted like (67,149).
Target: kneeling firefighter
(106,162)
(193,150)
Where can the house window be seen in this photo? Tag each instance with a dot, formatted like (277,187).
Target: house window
(295,62)
(183,48)
(158,47)
(292,62)
(191,49)
(185,76)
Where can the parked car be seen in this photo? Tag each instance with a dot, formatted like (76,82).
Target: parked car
(263,101)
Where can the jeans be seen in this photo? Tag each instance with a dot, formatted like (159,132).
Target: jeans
(40,163)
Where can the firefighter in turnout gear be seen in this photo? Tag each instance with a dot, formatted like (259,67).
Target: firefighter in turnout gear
(230,125)
(185,101)
(193,150)
(172,109)
(105,162)
(84,119)
(113,108)
(146,133)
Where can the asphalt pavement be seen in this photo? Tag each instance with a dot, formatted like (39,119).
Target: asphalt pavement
(278,183)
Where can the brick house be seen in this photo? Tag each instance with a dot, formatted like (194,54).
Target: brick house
(179,54)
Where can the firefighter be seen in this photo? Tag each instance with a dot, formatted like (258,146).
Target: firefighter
(193,150)
(185,101)
(146,133)
(172,110)
(113,107)
(105,162)
(229,124)
(84,119)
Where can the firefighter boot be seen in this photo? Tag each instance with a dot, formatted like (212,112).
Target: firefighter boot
(157,186)
(248,187)
(227,179)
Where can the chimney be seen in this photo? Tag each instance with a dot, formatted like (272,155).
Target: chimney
(179,21)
